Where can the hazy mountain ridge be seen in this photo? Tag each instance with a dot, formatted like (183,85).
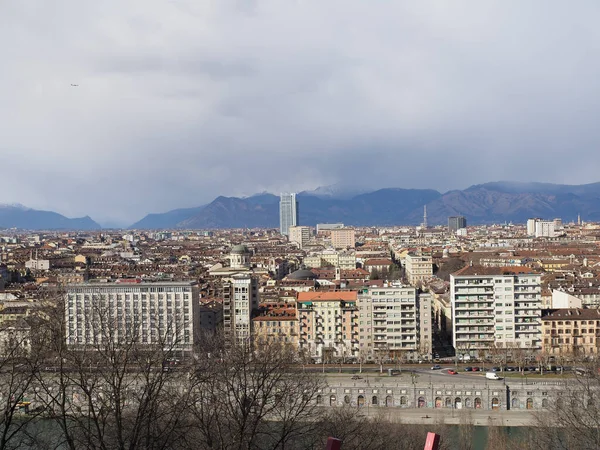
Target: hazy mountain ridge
(494,202)
(19,216)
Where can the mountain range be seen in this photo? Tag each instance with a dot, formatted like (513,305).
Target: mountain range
(19,216)
(494,202)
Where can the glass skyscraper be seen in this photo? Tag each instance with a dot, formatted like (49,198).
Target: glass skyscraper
(288,213)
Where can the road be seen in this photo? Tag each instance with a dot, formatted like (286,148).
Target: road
(454,417)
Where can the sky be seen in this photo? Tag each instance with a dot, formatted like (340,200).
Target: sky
(181,101)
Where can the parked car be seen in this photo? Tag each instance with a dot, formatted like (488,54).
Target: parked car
(356,377)
(451,372)
(436,367)
(496,369)
(476,369)
(468,369)
(510,369)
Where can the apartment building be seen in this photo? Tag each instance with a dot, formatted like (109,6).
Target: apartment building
(418,268)
(394,322)
(331,258)
(240,304)
(343,238)
(495,307)
(148,312)
(277,325)
(300,235)
(541,228)
(328,324)
(572,332)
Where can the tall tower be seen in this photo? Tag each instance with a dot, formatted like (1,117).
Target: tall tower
(424,224)
(288,213)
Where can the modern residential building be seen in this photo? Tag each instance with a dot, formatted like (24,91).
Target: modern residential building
(328,324)
(288,213)
(571,332)
(343,238)
(495,307)
(419,267)
(240,305)
(299,234)
(126,310)
(541,228)
(456,223)
(327,227)
(395,322)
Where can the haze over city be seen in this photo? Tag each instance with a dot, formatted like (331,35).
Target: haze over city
(118,109)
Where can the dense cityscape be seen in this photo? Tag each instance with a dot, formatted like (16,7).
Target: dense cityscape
(455,318)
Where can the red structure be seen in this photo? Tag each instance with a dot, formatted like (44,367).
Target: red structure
(333,444)
(432,442)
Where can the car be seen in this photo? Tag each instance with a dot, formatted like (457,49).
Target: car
(476,369)
(496,369)
(452,372)
(356,377)
(468,369)
(510,369)
(436,367)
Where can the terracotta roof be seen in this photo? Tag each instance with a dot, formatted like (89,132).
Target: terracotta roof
(378,262)
(347,296)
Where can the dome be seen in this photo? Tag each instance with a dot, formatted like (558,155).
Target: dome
(240,249)
(302,274)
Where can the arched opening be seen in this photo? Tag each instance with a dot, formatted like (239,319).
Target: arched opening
(495,403)
(448,402)
(361,401)
(403,401)
(319,399)
(544,403)
(438,402)
(347,399)
(389,401)
(332,400)
(529,403)
(421,402)
(374,400)
(467,402)
(515,403)
(477,403)
(457,403)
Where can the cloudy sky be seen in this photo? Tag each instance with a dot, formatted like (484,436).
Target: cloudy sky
(180,101)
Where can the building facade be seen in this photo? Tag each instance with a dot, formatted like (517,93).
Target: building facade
(288,213)
(343,238)
(240,304)
(418,267)
(299,234)
(148,312)
(495,307)
(328,325)
(571,332)
(456,223)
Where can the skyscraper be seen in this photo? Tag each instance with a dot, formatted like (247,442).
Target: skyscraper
(288,213)
(456,223)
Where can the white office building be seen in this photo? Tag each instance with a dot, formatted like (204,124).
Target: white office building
(495,307)
(126,311)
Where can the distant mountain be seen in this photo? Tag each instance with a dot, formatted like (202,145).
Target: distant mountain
(19,216)
(495,202)
(166,220)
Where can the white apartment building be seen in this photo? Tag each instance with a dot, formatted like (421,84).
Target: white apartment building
(240,302)
(300,235)
(343,238)
(394,322)
(495,307)
(147,312)
(541,228)
(418,267)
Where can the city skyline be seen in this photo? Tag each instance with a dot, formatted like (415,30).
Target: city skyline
(115,111)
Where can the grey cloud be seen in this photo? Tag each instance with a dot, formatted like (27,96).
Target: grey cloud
(182,101)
